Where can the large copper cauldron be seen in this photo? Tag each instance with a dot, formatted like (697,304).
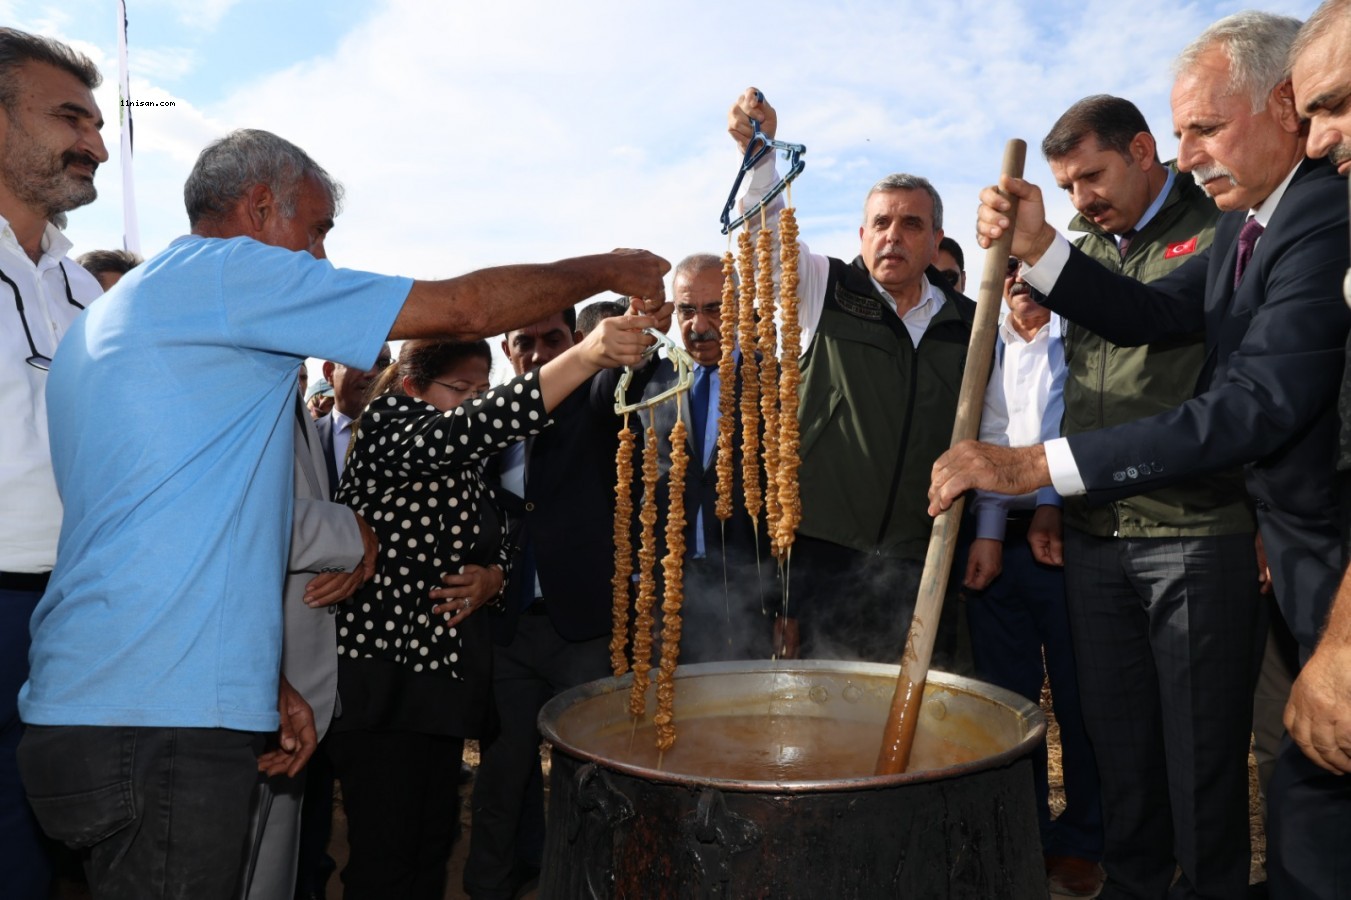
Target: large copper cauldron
(621,828)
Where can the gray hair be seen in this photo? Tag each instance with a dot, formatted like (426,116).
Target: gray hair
(1258,47)
(228,167)
(20,47)
(695,264)
(1324,19)
(903,182)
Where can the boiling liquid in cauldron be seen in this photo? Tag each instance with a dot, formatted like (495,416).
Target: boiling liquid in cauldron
(776,748)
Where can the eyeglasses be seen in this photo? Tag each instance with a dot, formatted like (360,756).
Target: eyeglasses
(37,360)
(951,276)
(473,393)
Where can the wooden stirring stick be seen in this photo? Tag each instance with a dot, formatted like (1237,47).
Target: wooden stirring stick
(899,736)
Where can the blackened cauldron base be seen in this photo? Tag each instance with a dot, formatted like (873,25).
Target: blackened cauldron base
(968,831)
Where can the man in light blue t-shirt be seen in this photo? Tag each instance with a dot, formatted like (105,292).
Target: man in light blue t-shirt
(156,648)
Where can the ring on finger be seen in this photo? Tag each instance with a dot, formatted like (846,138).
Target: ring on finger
(467,604)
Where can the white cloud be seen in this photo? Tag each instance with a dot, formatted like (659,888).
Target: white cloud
(476,134)
(157,64)
(199,15)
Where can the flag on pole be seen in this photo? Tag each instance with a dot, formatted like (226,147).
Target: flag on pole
(131,231)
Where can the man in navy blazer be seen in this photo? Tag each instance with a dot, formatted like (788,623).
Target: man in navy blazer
(1267,294)
(725,584)
(349,399)
(553,630)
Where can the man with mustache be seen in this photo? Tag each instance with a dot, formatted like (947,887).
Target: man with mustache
(1267,295)
(49,149)
(723,579)
(1162,586)
(884,343)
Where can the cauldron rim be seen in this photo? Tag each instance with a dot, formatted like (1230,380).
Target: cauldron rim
(1030,713)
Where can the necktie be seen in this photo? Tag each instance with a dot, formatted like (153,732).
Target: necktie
(699,407)
(1124,245)
(1247,240)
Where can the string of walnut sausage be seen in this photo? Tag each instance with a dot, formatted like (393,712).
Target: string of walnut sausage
(750,381)
(620,583)
(647,588)
(769,375)
(674,594)
(790,501)
(726,392)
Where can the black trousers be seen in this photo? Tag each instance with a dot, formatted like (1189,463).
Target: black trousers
(538,664)
(155,812)
(401,793)
(1168,637)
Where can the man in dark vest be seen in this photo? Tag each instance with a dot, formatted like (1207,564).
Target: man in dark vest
(884,343)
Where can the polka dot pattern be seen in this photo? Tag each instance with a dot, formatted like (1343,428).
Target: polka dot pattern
(416,476)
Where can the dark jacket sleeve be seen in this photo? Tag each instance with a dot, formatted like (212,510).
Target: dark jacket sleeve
(1127,312)
(1276,353)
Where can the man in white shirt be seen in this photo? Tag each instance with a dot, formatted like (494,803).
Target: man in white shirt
(883,347)
(49,149)
(1267,294)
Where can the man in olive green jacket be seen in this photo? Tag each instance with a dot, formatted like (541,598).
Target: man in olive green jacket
(884,343)
(1162,587)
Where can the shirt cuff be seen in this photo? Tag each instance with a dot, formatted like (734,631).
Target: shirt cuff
(1046,272)
(991,517)
(1064,470)
(1048,496)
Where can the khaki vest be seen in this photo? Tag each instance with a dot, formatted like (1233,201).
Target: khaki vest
(875,413)
(1109,385)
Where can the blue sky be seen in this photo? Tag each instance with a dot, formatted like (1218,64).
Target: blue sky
(472,134)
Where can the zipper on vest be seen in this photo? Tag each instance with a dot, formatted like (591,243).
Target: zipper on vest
(900,456)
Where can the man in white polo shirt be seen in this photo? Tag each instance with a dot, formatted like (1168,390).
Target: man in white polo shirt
(49,149)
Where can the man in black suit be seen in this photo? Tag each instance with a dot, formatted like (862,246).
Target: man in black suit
(349,399)
(1267,295)
(554,630)
(722,614)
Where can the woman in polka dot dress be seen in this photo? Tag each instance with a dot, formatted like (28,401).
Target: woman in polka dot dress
(413,672)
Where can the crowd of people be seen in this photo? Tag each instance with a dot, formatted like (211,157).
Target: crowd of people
(222,602)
